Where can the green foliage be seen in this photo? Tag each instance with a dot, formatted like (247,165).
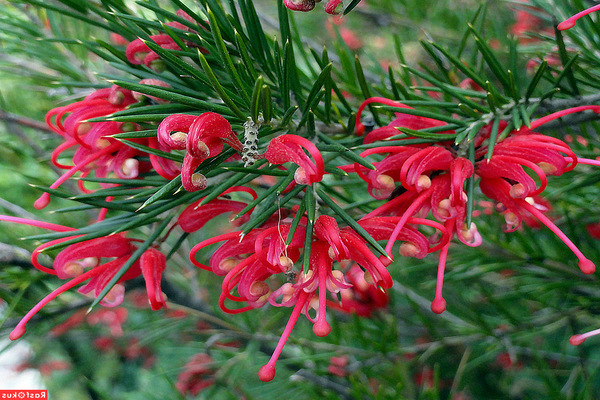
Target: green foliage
(513,302)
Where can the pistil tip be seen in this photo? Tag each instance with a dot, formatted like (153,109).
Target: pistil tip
(17,333)
(586,266)
(266,373)
(42,202)
(563,26)
(576,340)
(321,328)
(438,305)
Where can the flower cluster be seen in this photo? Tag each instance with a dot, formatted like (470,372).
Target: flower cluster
(299,256)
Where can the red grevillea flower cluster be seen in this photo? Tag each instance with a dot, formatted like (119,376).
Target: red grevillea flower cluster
(250,266)
(138,52)
(418,180)
(95,261)
(92,145)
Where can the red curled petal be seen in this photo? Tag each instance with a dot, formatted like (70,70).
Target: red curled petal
(191,180)
(174,123)
(290,148)
(153,263)
(299,5)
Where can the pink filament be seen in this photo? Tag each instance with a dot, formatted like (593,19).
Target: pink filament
(20,328)
(586,161)
(570,22)
(576,340)
(267,371)
(39,224)
(407,214)
(45,198)
(544,120)
(438,305)
(360,128)
(585,265)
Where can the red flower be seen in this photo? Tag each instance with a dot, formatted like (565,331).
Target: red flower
(198,374)
(290,148)
(202,136)
(153,263)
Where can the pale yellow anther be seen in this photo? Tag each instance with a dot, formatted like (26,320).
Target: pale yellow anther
(301,177)
(84,128)
(386,181)
(408,249)
(179,137)
(130,167)
(227,264)
(423,182)
(547,168)
(73,269)
(259,288)
(286,262)
(199,180)
(518,191)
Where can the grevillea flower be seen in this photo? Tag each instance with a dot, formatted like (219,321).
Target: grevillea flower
(197,375)
(290,148)
(299,5)
(152,264)
(202,137)
(95,149)
(96,261)
(332,6)
(432,179)
(138,52)
(251,263)
(195,216)
(571,21)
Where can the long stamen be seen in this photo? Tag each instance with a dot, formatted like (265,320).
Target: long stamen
(438,305)
(35,254)
(39,224)
(208,242)
(267,371)
(360,128)
(407,214)
(58,151)
(570,22)
(44,199)
(322,327)
(544,120)
(576,340)
(586,266)
(586,161)
(20,328)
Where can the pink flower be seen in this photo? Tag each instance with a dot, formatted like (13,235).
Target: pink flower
(197,375)
(195,216)
(290,148)
(138,52)
(152,264)
(299,5)
(95,149)
(202,137)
